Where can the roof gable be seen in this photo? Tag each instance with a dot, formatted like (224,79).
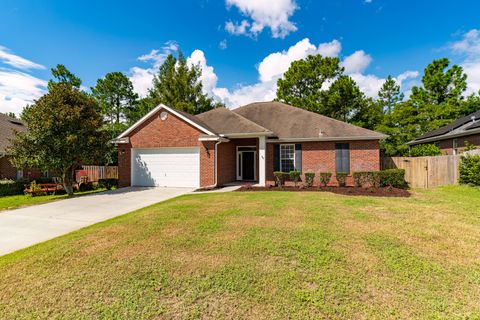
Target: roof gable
(8,126)
(194,121)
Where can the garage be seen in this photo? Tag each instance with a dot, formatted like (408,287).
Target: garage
(166,167)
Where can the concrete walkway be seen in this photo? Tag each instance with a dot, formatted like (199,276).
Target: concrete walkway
(24,227)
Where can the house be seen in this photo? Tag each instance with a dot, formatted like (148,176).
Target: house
(168,147)
(453,138)
(8,126)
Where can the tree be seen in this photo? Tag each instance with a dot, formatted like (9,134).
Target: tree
(342,99)
(63,75)
(178,85)
(389,95)
(369,114)
(116,98)
(304,82)
(64,131)
(424,150)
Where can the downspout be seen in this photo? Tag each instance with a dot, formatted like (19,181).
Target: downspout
(215,167)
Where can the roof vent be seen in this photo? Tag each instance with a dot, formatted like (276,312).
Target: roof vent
(16,122)
(473,118)
(321,133)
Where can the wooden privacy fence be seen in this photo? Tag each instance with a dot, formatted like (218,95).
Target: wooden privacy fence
(426,172)
(95,173)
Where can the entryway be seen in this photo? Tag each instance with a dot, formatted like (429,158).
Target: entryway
(246,163)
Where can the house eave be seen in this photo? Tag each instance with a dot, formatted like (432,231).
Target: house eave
(213,138)
(246,135)
(120,140)
(444,137)
(344,138)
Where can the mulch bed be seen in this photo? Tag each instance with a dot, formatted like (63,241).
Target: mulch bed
(350,191)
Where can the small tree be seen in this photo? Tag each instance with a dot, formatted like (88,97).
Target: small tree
(64,131)
(325,178)
(279,178)
(470,170)
(342,178)
(295,176)
(309,177)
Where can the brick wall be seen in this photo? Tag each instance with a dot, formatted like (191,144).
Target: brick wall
(173,132)
(447,145)
(319,156)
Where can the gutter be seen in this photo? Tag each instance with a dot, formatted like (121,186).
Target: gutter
(352,138)
(444,137)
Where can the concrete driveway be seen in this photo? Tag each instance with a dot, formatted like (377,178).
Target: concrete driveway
(24,227)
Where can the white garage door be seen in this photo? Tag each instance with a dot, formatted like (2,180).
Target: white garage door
(166,167)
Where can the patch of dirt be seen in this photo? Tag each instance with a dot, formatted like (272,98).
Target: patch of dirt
(349,191)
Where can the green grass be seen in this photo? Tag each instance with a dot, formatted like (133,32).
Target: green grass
(260,255)
(14,202)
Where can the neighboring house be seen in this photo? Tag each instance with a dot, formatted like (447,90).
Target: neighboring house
(168,147)
(452,138)
(8,126)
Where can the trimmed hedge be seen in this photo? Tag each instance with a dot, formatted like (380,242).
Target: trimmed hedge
(342,178)
(309,177)
(279,178)
(325,178)
(295,176)
(470,170)
(11,188)
(386,178)
(108,183)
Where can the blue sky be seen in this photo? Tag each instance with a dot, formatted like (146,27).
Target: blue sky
(243,46)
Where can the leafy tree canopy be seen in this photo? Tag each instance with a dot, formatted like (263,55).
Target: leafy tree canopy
(64,131)
(389,95)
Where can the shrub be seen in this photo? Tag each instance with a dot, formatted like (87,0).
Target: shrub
(342,178)
(424,150)
(108,183)
(470,170)
(325,178)
(367,179)
(279,178)
(309,177)
(295,176)
(393,178)
(11,188)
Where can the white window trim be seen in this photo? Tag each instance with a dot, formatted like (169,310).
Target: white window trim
(280,155)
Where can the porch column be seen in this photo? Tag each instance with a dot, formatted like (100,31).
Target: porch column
(262,158)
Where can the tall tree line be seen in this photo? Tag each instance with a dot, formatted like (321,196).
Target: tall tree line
(319,84)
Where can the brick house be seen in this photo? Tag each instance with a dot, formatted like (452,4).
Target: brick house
(8,126)
(168,147)
(453,138)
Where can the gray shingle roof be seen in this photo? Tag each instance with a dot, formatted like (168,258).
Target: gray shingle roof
(288,122)
(8,126)
(460,126)
(225,121)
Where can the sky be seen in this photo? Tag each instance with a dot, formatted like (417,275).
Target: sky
(243,46)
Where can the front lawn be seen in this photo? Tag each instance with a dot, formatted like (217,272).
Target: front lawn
(260,255)
(14,202)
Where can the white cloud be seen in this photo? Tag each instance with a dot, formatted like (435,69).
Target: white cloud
(142,77)
(274,15)
(208,78)
(406,75)
(275,64)
(16,61)
(356,62)
(17,89)
(223,44)
(469,49)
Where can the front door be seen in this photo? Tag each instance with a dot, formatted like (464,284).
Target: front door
(248,165)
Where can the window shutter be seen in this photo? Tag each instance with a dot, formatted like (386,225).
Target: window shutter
(342,157)
(276,157)
(298,157)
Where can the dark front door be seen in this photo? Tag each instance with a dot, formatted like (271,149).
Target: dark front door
(248,165)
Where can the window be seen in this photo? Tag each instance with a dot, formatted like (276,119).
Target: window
(342,157)
(287,157)
(455,146)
